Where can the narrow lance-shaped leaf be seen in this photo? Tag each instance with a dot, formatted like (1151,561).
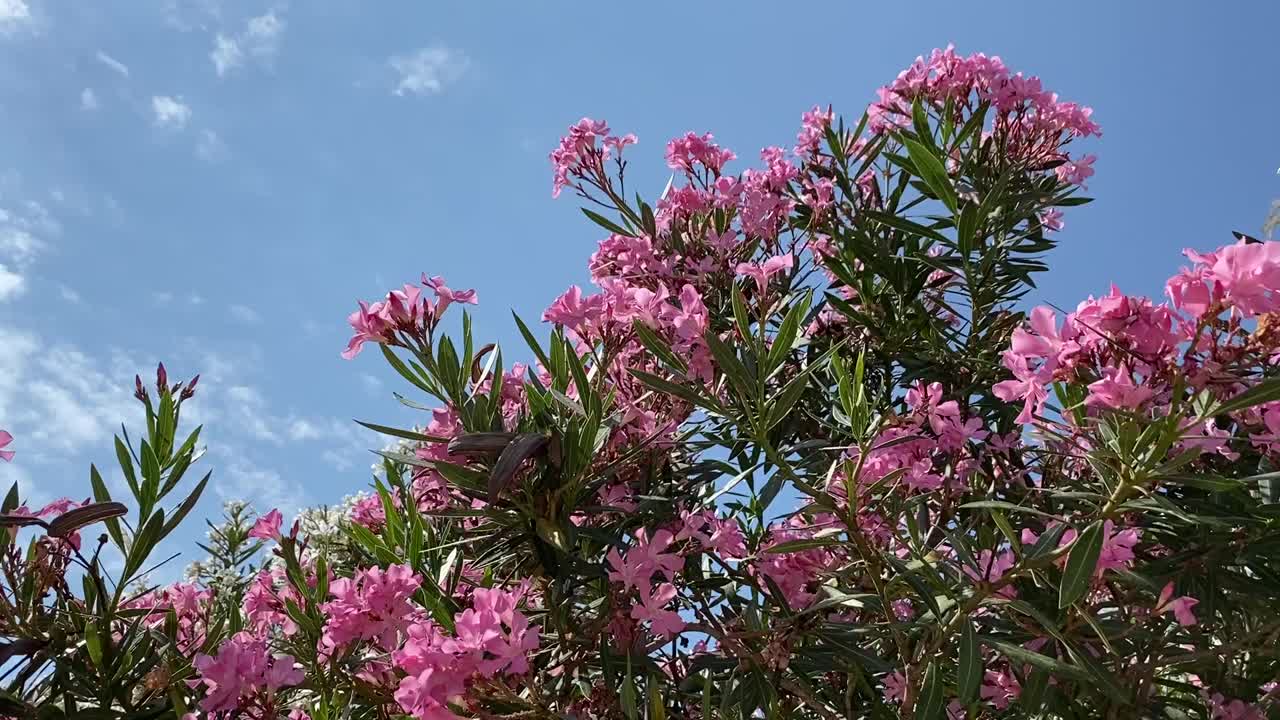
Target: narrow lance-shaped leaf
(521,449)
(1081,563)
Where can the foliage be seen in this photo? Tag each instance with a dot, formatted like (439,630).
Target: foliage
(798,454)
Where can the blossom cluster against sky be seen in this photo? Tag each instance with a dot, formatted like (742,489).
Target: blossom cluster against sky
(213,183)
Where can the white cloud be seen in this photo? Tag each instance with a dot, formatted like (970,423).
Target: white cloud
(240,478)
(58,397)
(14,14)
(226,54)
(372,383)
(170,112)
(12,284)
(161,297)
(245,314)
(88,99)
(19,247)
(260,40)
(301,429)
(195,299)
(111,62)
(68,294)
(210,147)
(249,412)
(429,70)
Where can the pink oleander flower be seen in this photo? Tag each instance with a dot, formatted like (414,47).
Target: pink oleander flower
(1075,172)
(374,605)
(895,686)
(267,527)
(445,295)
(761,272)
(653,601)
(5,439)
(1179,606)
(644,559)
(683,153)
(243,668)
(927,401)
(1051,220)
(1000,688)
(1244,276)
(1117,390)
(992,567)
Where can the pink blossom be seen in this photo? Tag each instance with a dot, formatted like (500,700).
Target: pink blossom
(927,401)
(373,605)
(5,439)
(1026,386)
(727,540)
(895,686)
(1180,606)
(664,623)
(761,272)
(445,295)
(370,325)
(267,527)
(1117,547)
(577,153)
(992,567)
(1075,172)
(1117,390)
(242,669)
(1000,688)
(684,152)
(1051,220)
(644,559)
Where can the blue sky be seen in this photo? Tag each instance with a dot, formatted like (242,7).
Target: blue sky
(215,183)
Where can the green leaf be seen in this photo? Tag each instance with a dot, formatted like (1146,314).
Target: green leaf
(920,121)
(659,347)
(969,674)
(187,505)
(1081,562)
(999,505)
(1033,689)
(532,342)
(406,434)
(629,693)
(608,224)
(1019,654)
(93,642)
(787,332)
(791,546)
(1266,391)
(932,171)
(929,704)
(126,467)
(681,391)
(905,225)
(101,494)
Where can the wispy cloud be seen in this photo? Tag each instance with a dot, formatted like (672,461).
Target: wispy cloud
(12,284)
(20,244)
(68,294)
(241,478)
(88,99)
(170,112)
(58,397)
(429,70)
(259,41)
(210,147)
(14,15)
(111,62)
(245,314)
